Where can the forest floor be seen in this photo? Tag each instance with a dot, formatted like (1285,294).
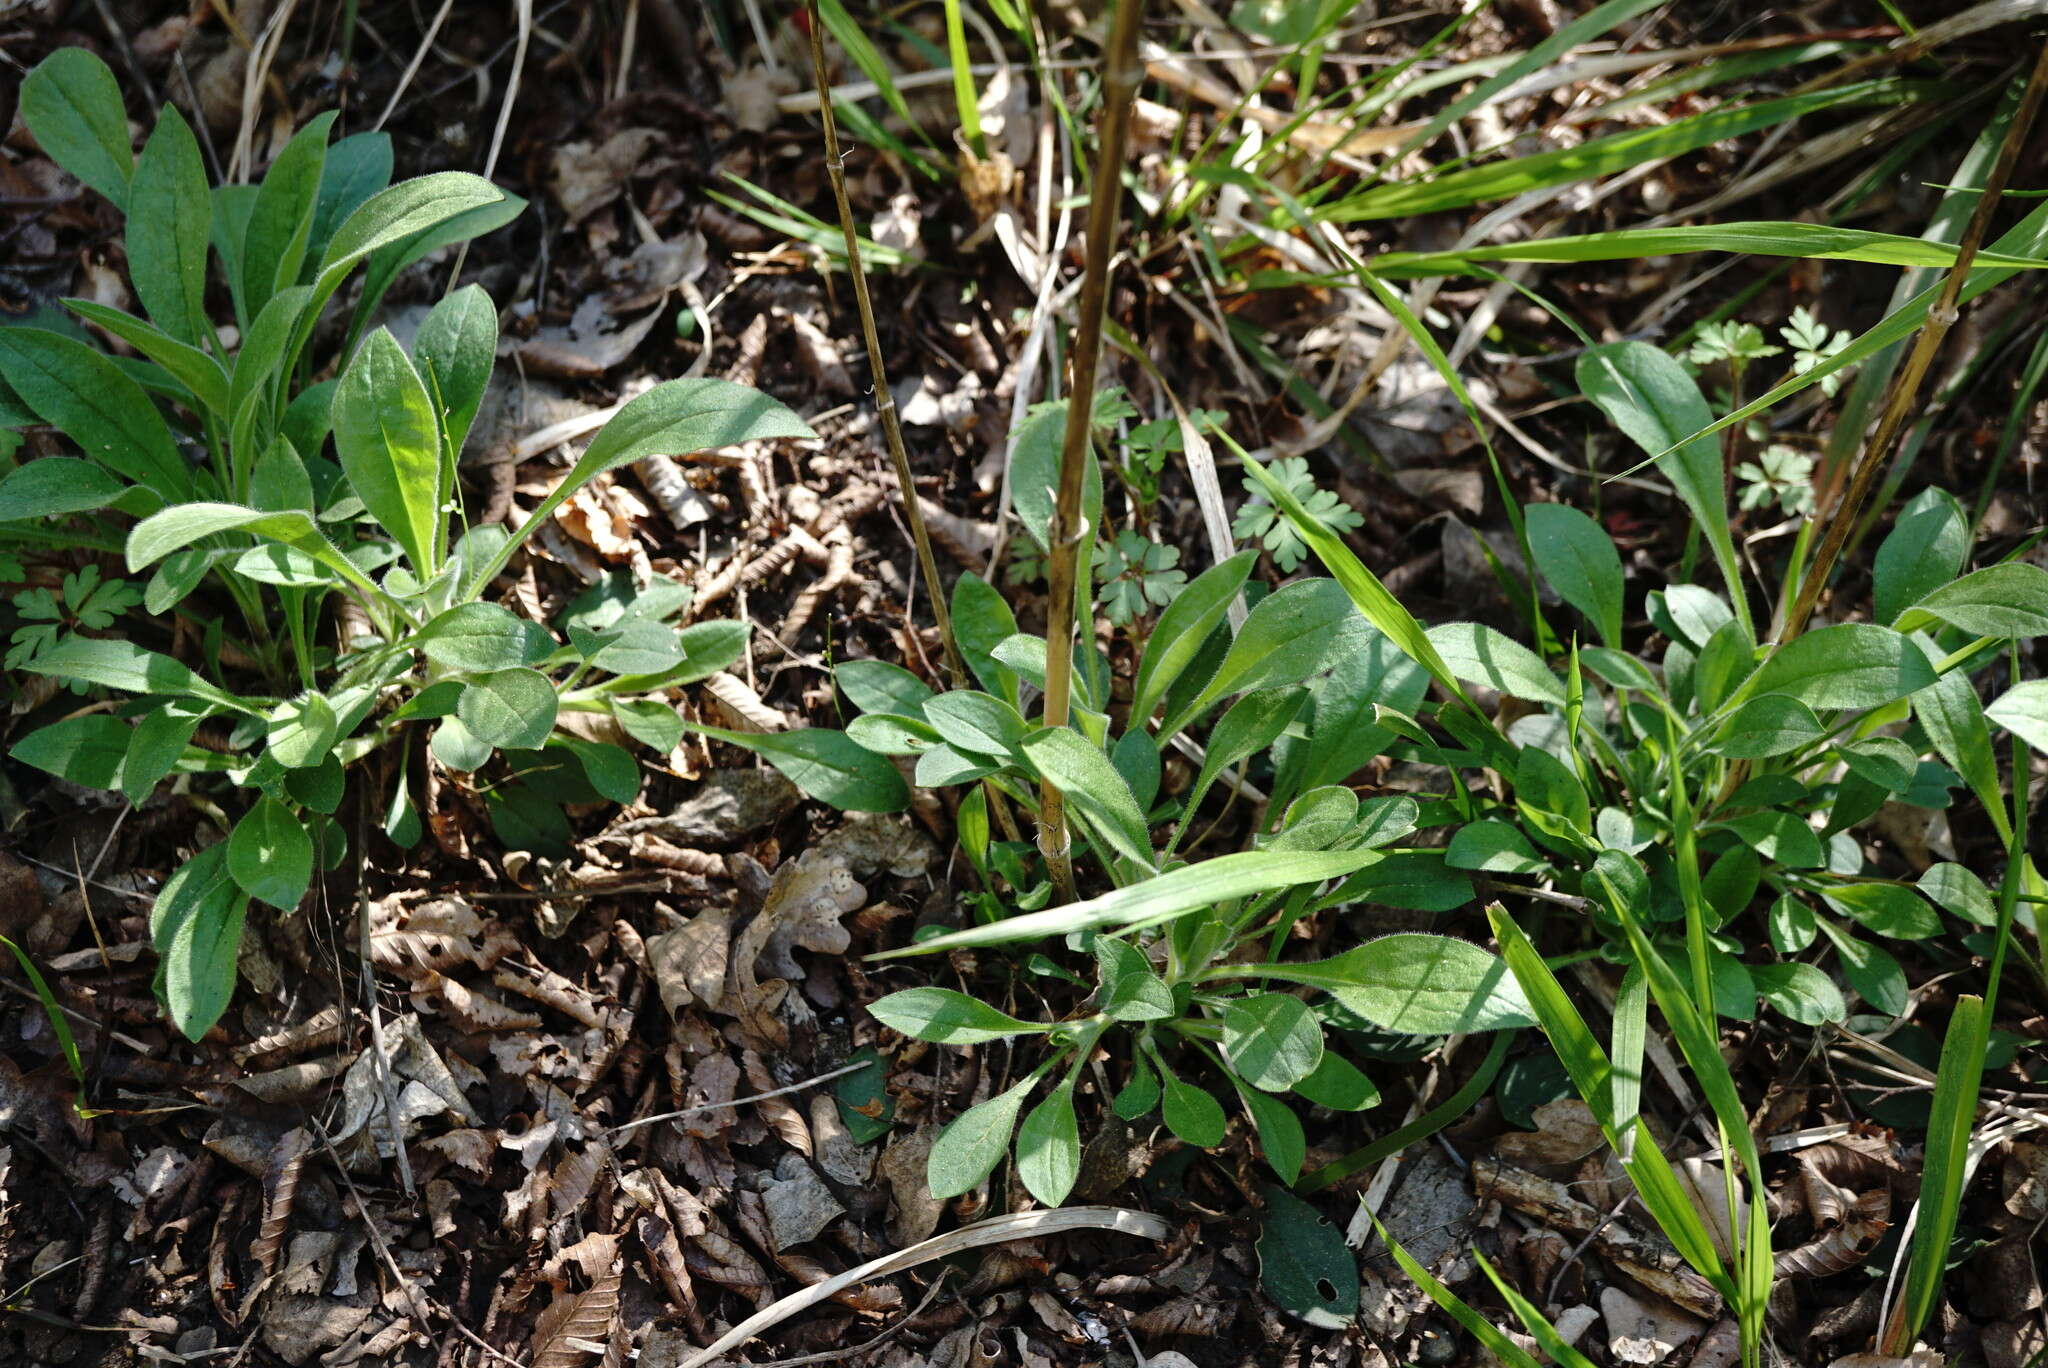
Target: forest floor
(242,1200)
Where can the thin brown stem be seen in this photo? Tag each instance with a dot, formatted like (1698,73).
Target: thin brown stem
(1068,530)
(1941,316)
(885,402)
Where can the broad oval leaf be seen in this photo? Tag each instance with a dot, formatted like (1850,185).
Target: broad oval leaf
(1049,1147)
(1801,992)
(478,637)
(1479,654)
(389,444)
(270,855)
(1646,393)
(1578,560)
(1772,725)
(876,686)
(53,486)
(123,665)
(950,1018)
(196,925)
(892,734)
(93,402)
(971,1146)
(510,709)
(1293,634)
(2023,711)
(302,731)
(1922,552)
(89,751)
(274,245)
(1091,784)
(2008,600)
(1183,626)
(1848,665)
(827,765)
(976,721)
(1272,1039)
(191,367)
(72,104)
(1193,1114)
(1893,910)
(170,220)
(1415,984)
(456,349)
(180,525)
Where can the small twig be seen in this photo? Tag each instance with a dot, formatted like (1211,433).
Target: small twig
(412,68)
(885,401)
(524,10)
(840,1072)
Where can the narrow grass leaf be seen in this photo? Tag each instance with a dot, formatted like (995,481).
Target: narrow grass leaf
(1158,899)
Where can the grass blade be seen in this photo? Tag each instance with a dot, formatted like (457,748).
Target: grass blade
(1170,895)
(1803,241)
(1591,160)
(1941,1180)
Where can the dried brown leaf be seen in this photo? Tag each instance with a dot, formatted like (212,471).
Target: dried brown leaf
(577,1325)
(280,1192)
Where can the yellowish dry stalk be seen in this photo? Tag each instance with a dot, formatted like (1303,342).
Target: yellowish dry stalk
(885,402)
(1906,385)
(1068,531)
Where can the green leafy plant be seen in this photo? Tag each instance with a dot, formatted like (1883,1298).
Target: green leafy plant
(1690,807)
(1260,518)
(368,542)
(1137,576)
(84,601)
(1780,475)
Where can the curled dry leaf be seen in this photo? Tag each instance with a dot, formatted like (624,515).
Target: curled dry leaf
(804,906)
(665,1260)
(468,1149)
(786,1121)
(1565,1133)
(434,936)
(689,962)
(280,1192)
(472,1010)
(1842,1242)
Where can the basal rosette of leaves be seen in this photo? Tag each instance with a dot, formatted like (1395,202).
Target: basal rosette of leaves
(208,467)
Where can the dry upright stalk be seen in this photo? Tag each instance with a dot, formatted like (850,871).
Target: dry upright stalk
(1906,386)
(1068,531)
(885,402)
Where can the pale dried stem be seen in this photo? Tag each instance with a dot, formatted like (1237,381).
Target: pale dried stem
(1068,530)
(885,402)
(1906,385)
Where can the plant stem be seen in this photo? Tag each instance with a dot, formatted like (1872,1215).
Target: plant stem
(1906,386)
(885,402)
(1068,531)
